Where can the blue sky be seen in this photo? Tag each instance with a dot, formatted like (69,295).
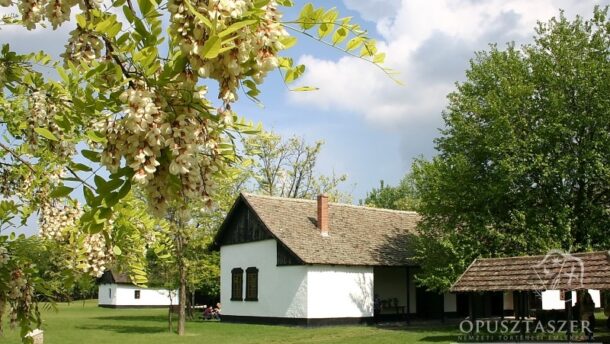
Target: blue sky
(374,128)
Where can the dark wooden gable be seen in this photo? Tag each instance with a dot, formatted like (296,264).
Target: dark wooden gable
(243,226)
(286,257)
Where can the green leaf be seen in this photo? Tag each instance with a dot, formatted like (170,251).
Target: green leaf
(339,35)
(305,89)
(91,155)
(61,191)
(354,43)
(113,184)
(305,17)
(199,16)
(145,6)
(82,167)
(236,26)
(89,196)
(81,20)
(111,199)
(62,73)
(124,190)
(100,183)
(95,137)
(211,48)
(129,14)
(46,134)
(379,58)
(289,42)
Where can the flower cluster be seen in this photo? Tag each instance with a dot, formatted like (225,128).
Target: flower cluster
(256,47)
(4,256)
(96,256)
(20,295)
(31,12)
(92,254)
(139,136)
(14,182)
(42,115)
(146,135)
(3,71)
(16,284)
(56,218)
(55,11)
(58,11)
(83,46)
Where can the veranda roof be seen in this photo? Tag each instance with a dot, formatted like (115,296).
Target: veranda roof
(554,271)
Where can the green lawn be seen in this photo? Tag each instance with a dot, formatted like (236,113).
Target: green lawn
(92,325)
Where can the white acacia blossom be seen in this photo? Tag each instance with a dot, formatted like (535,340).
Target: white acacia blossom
(92,254)
(146,135)
(43,110)
(256,47)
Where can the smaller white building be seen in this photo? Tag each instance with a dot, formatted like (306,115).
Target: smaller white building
(117,291)
(554,300)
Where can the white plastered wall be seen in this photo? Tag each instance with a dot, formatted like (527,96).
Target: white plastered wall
(339,291)
(282,290)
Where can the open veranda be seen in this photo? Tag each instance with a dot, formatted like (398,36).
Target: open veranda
(83,322)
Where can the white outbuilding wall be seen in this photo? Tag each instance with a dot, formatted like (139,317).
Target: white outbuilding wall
(551,299)
(124,295)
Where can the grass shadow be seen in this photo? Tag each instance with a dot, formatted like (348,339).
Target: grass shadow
(126,329)
(145,318)
(438,339)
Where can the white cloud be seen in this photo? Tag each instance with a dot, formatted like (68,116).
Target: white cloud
(430,43)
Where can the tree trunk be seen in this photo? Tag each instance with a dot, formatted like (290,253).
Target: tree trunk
(182,297)
(169,318)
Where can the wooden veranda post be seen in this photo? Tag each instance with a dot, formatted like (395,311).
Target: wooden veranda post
(568,297)
(408,310)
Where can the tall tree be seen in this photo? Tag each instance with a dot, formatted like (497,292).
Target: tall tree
(524,159)
(401,197)
(286,167)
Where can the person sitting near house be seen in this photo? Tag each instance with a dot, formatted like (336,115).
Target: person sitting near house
(203,308)
(587,313)
(217,311)
(208,313)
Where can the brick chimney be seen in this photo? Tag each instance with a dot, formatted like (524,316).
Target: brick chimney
(323,214)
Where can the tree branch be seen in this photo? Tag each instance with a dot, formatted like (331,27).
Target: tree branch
(16,156)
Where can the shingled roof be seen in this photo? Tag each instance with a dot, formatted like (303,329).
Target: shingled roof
(112,277)
(360,236)
(555,271)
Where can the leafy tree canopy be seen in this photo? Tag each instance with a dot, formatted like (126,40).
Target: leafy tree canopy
(401,197)
(524,159)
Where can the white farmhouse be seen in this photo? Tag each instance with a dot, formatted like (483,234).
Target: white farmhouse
(308,262)
(117,291)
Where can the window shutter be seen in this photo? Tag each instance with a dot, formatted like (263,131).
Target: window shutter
(237,281)
(251,284)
